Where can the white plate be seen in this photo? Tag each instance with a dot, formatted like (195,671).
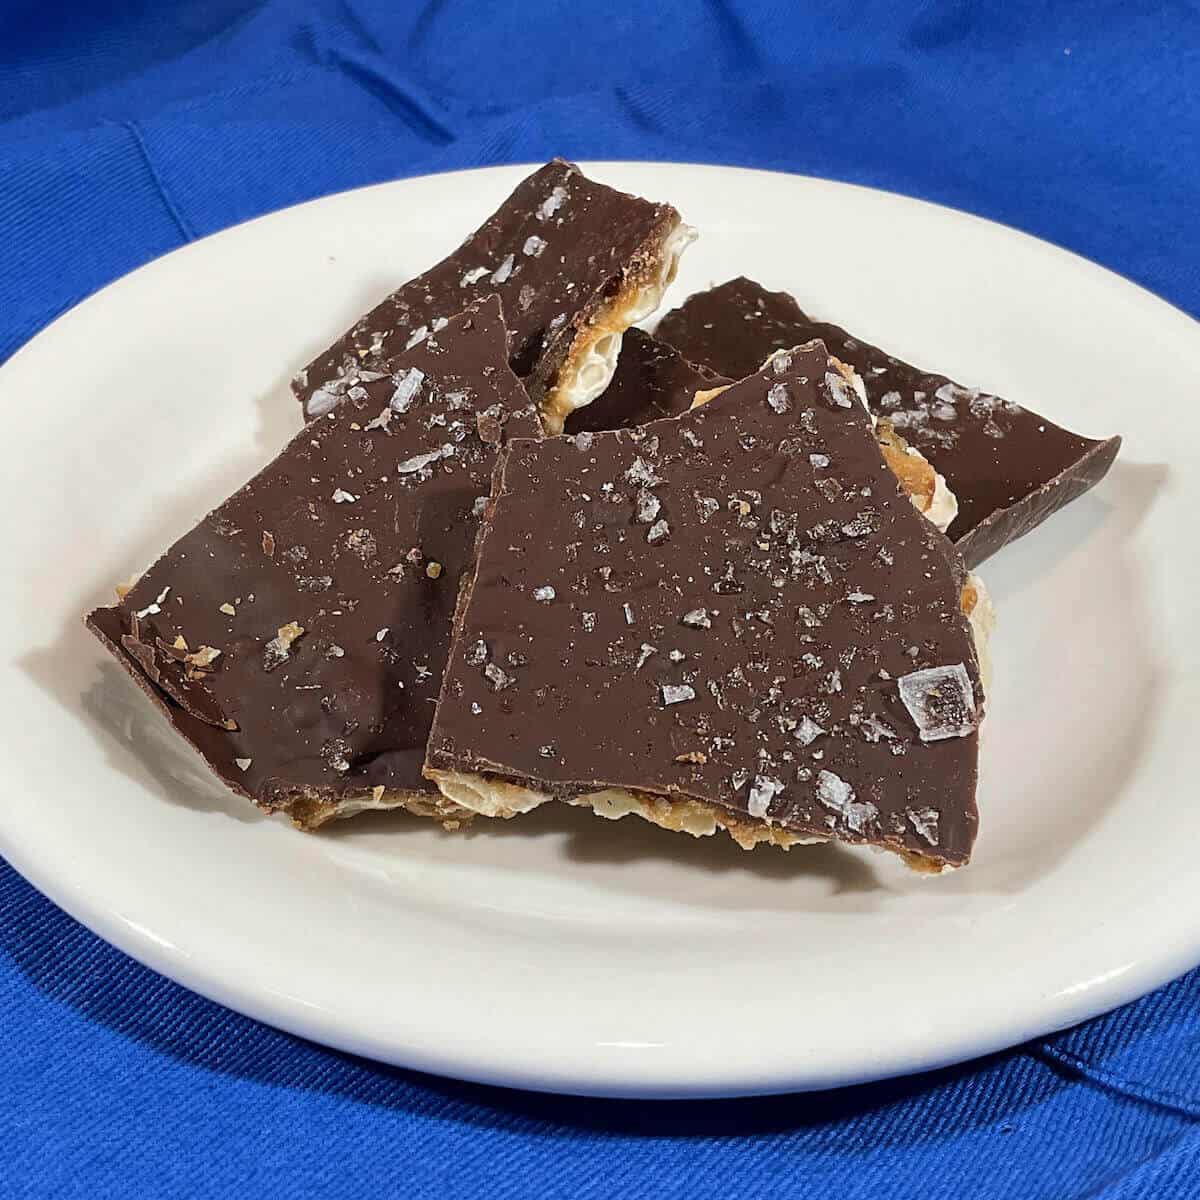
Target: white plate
(560,951)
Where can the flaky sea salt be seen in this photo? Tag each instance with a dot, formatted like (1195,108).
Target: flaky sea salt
(551,204)
(641,473)
(322,401)
(839,390)
(276,651)
(874,730)
(925,822)
(941,702)
(952,393)
(419,461)
(836,794)
(407,387)
(497,677)
(763,790)
(648,506)
(677,693)
(504,270)
(807,731)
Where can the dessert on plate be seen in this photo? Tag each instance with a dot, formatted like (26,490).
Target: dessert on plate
(735,595)
(733,619)
(296,636)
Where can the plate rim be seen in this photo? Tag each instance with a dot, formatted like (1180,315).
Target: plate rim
(291,1015)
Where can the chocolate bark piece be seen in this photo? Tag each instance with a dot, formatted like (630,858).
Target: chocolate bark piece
(1009,467)
(296,637)
(734,618)
(652,380)
(574,262)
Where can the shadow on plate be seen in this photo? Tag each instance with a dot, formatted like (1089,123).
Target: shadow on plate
(588,840)
(136,739)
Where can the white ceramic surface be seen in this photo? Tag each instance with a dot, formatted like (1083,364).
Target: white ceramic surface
(560,951)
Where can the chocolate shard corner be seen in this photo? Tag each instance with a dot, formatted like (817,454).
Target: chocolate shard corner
(1009,468)
(574,263)
(297,636)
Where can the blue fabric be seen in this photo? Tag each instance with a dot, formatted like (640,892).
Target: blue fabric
(127,129)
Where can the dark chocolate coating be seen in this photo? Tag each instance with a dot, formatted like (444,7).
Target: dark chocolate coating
(794,587)
(350,537)
(1009,468)
(569,245)
(652,380)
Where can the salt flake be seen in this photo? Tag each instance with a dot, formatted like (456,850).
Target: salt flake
(648,506)
(952,393)
(552,203)
(777,398)
(925,822)
(763,790)
(641,473)
(407,386)
(504,270)
(835,793)
(839,390)
(321,402)
(419,461)
(497,677)
(807,731)
(941,702)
